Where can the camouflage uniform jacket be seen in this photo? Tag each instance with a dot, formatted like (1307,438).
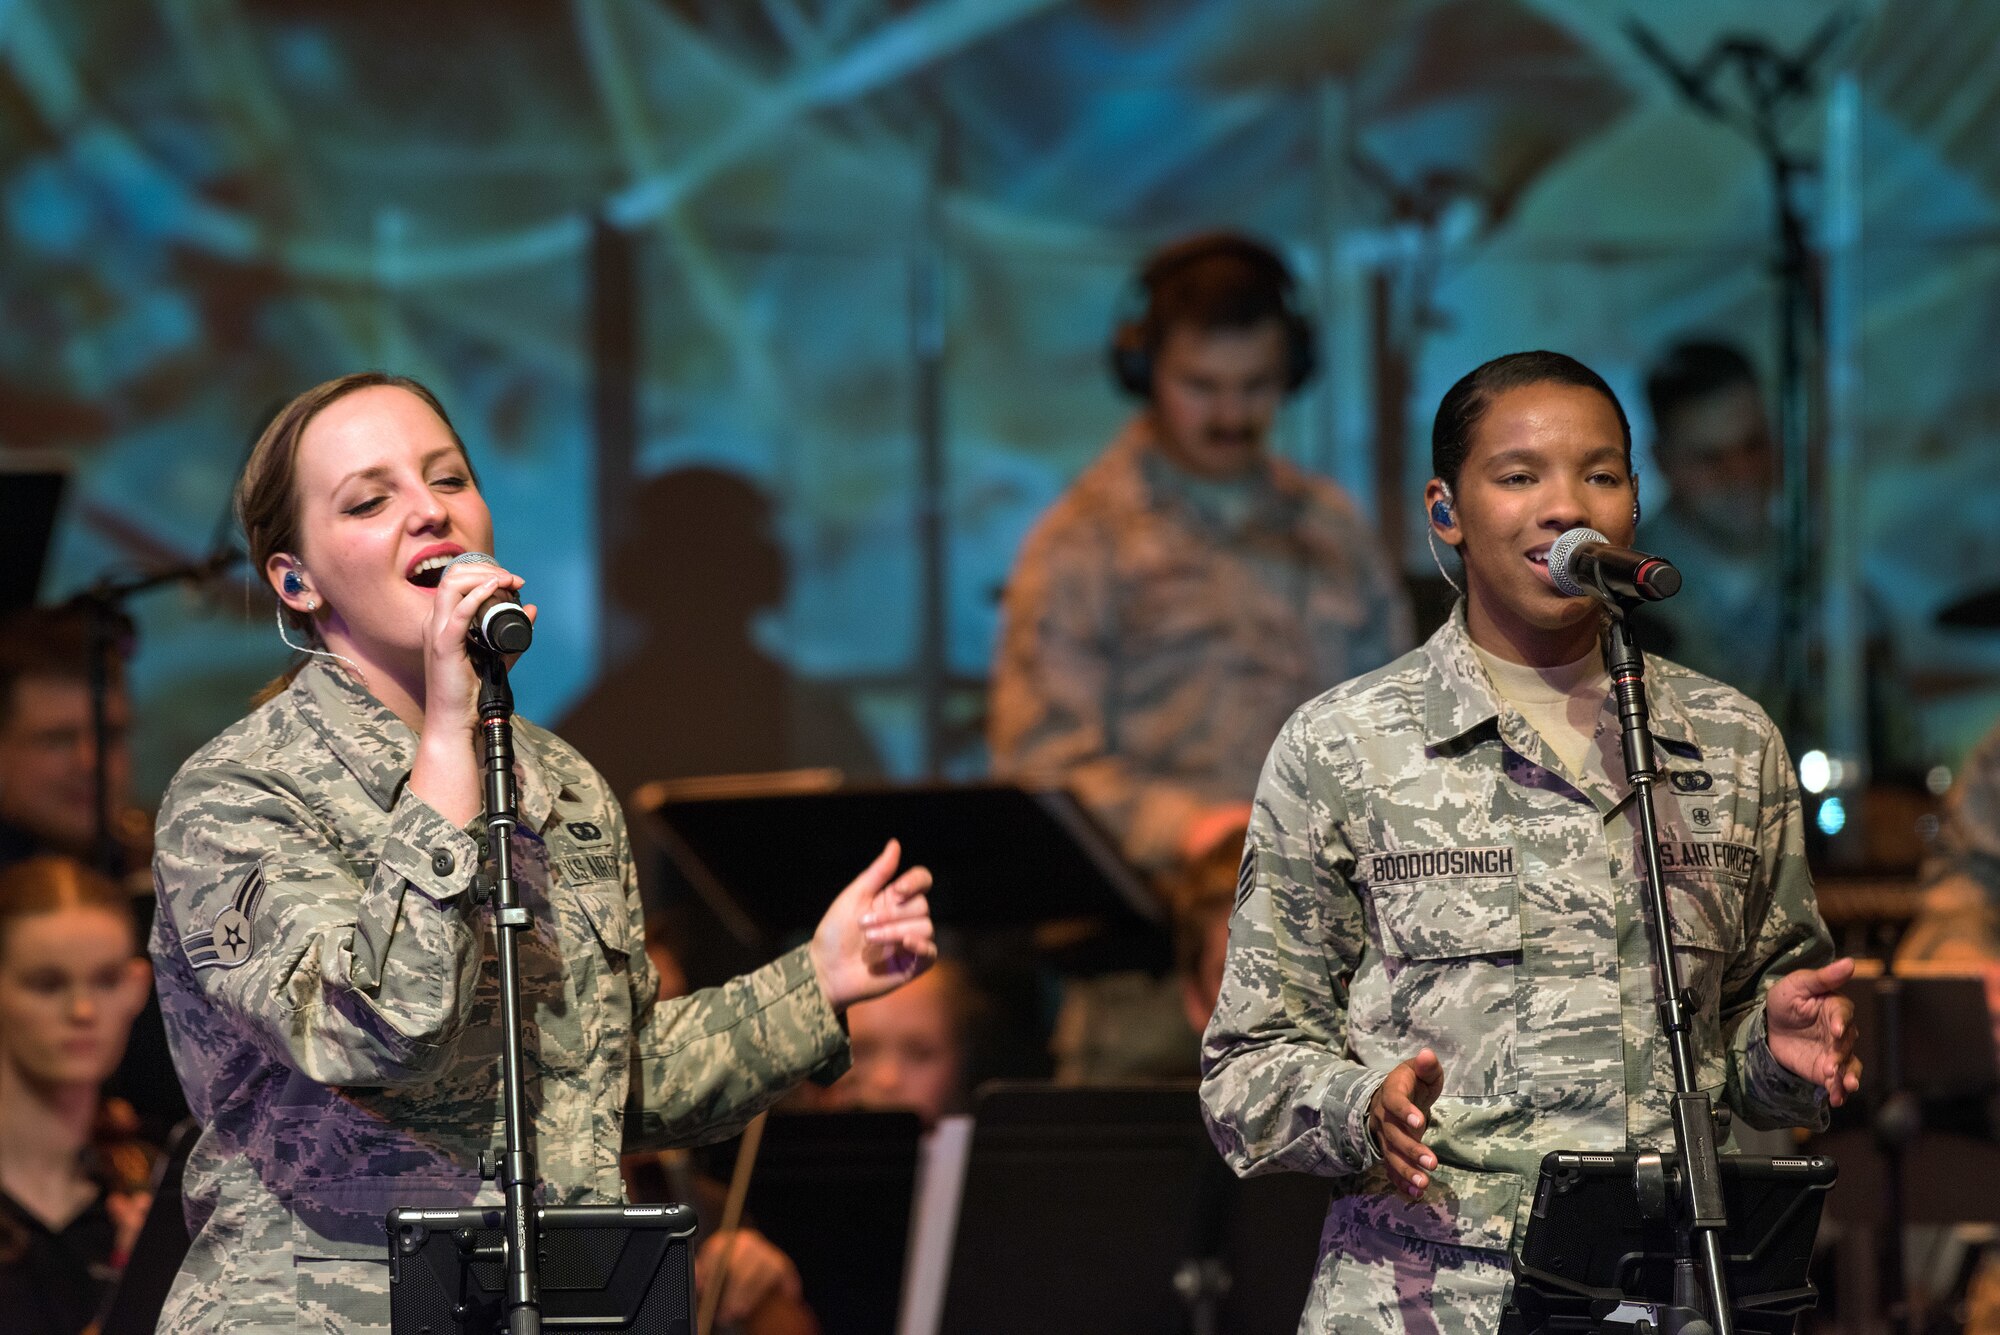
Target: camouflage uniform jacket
(331,993)
(1152,647)
(1422,873)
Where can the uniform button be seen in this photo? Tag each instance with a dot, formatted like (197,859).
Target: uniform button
(442,862)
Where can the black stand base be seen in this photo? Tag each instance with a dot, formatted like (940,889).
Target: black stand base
(604,1270)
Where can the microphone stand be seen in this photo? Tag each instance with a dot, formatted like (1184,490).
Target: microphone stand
(1771,84)
(1704,1217)
(516,1170)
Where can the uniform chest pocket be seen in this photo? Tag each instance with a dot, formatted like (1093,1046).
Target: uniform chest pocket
(1705,922)
(1452,953)
(604,911)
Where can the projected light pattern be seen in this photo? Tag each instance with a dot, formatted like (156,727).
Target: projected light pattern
(845,219)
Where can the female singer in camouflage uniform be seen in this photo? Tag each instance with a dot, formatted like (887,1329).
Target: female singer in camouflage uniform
(1437,966)
(325,968)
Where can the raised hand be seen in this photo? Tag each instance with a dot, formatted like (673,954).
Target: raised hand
(1400,1114)
(877,934)
(1812,1028)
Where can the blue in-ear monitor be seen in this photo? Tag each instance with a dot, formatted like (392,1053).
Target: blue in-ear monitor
(293,584)
(1441,513)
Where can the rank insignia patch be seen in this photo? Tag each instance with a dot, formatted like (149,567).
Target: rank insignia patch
(227,944)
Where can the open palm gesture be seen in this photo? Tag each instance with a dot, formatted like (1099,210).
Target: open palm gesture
(1812,1028)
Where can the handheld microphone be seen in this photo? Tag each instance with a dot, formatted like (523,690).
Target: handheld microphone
(500,624)
(1583,561)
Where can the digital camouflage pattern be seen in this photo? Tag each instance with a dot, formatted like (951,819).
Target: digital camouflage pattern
(331,994)
(1420,872)
(1159,628)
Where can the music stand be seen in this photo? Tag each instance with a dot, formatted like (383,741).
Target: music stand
(604,1269)
(850,1258)
(1004,855)
(30,498)
(1601,1247)
(1087,1210)
(1925,1038)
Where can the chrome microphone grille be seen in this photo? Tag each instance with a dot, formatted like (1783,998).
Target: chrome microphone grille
(1563,552)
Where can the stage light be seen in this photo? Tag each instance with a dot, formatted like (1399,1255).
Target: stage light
(1815,771)
(1832,816)
(1938,780)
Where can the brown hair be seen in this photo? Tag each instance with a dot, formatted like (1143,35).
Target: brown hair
(267,495)
(51,882)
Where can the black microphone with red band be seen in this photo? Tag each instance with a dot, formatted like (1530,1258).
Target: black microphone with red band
(1582,562)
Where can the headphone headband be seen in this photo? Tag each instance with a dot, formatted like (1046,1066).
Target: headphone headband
(1136,337)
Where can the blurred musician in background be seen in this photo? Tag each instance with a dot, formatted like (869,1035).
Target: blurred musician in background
(74,1180)
(914,1048)
(1181,599)
(48,755)
(1190,589)
(1960,919)
(1721,525)
(1713,443)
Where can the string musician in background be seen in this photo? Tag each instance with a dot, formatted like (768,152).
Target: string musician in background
(74,1178)
(1438,965)
(1184,595)
(324,940)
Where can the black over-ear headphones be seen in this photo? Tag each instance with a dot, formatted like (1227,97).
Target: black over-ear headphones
(1136,338)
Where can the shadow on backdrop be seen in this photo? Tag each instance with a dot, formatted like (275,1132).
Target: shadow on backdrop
(695,694)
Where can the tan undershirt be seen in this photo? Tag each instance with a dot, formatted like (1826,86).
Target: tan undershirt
(1561,703)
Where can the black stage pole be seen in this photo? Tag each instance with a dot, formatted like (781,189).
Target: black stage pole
(516,1170)
(1704,1217)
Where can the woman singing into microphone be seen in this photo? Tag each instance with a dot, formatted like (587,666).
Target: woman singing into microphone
(1438,966)
(325,965)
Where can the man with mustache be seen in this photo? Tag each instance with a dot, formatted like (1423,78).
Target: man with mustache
(1186,594)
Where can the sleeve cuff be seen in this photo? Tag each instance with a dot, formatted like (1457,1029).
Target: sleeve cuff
(1780,1097)
(822,1032)
(436,857)
(1355,1145)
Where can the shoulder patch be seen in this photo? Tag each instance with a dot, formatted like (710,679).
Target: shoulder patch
(228,942)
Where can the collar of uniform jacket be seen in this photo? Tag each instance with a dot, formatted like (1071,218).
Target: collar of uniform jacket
(378,748)
(1460,697)
(1155,482)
